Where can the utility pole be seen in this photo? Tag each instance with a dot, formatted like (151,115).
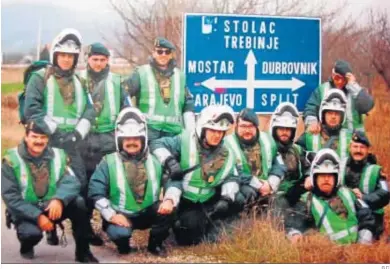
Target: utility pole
(39,37)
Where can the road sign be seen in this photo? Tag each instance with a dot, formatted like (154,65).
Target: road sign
(251,61)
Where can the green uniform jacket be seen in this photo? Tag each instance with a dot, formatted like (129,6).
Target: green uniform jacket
(34,106)
(67,189)
(99,185)
(302,219)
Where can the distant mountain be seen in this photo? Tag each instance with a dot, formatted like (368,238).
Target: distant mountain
(19,25)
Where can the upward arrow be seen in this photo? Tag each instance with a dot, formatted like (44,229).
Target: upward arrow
(250,63)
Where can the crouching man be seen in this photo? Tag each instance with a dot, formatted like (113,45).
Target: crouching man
(125,188)
(41,190)
(205,168)
(333,210)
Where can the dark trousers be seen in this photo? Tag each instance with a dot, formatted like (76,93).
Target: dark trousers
(195,221)
(29,233)
(379,225)
(147,218)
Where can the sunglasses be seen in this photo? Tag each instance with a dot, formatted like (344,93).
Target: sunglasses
(161,52)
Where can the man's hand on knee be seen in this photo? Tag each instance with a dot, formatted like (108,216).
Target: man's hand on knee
(45,224)
(54,209)
(120,220)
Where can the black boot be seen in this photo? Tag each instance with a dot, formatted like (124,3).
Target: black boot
(52,238)
(95,240)
(156,248)
(27,251)
(123,246)
(86,258)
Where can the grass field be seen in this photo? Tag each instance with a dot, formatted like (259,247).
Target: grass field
(7,88)
(257,241)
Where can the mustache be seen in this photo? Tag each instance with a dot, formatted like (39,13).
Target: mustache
(131,145)
(38,144)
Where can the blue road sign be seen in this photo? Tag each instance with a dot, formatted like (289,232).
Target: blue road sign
(251,61)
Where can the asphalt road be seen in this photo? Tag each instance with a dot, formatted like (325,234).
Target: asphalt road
(45,253)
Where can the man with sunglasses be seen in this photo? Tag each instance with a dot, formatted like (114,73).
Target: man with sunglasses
(359,101)
(158,90)
(108,97)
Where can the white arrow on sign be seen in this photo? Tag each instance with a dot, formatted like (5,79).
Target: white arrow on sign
(250,83)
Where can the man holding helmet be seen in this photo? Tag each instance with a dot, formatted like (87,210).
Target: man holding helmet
(205,169)
(333,210)
(126,185)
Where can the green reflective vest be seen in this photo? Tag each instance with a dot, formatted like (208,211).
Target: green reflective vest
(105,122)
(368,180)
(343,231)
(121,196)
(313,143)
(268,153)
(161,116)
(195,187)
(354,119)
(66,116)
(25,179)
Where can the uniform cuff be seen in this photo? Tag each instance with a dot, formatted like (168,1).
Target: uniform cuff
(103,205)
(256,183)
(230,190)
(353,88)
(292,232)
(161,154)
(310,119)
(365,237)
(83,127)
(51,124)
(274,182)
(173,194)
(189,120)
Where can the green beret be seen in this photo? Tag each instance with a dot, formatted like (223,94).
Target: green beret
(248,114)
(360,137)
(31,126)
(342,67)
(163,43)
(98,49)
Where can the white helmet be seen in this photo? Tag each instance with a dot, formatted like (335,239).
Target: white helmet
(334,100)
(68,41)
(215,117)
(285,115)
(326,161)
(131,123)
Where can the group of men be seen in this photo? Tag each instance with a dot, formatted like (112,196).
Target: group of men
(133,150)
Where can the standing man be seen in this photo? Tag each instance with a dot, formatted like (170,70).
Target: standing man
(158,90)
(331,209)
(41,190)
(259,165)
(332,115)
(366,179)
(126,186)
(206,171)
(108,97)
(359,101)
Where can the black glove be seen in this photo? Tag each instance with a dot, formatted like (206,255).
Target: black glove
(70,140)
(174,168)
(249,193)
(220,209)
